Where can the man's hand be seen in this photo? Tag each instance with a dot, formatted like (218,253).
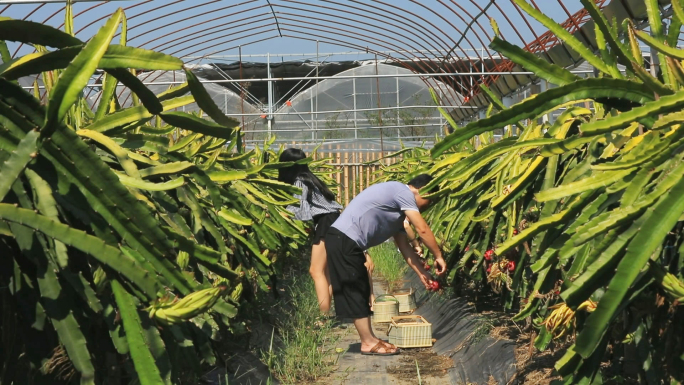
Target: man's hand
(412,259)
(425,234)
(425,279)
(369,263)
(440,266)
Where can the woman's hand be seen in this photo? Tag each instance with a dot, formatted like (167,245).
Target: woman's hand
(369,264)
(419,250)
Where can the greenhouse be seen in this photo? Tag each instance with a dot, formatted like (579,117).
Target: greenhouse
(341,192)
(160,81)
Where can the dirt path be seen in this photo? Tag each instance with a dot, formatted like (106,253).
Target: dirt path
(355,368)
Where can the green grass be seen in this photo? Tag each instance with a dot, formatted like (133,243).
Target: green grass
(302,351)
(389,264)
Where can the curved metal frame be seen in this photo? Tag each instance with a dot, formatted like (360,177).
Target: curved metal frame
(443,31)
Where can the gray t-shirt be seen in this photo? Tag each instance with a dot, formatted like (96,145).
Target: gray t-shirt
(376,214)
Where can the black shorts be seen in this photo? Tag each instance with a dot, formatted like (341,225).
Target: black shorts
(348,276)
(322,224)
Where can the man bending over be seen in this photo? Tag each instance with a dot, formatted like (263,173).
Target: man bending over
(376,214)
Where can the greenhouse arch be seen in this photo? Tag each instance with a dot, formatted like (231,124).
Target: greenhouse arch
(507,174)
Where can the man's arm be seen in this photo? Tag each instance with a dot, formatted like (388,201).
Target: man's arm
(428,238)
(412,258)
(413,238)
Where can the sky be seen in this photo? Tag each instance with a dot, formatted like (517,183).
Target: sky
(194,28)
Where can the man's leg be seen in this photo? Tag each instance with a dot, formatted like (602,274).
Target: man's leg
(368,339)
(351,290)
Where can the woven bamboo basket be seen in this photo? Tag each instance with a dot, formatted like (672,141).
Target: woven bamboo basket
(385,307)
(407,300)
(410,331)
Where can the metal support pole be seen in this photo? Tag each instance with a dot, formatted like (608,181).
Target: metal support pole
(655,63)
(317,65)
(242,96)
(442,123)
(482,55)
(356,131)
(313,123)
(270,94)
(377,91)
(482,68)
(396,80)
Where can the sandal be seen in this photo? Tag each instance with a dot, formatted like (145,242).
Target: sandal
(382,345)
(320,324)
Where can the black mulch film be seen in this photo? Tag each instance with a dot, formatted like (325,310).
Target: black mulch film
(453,323)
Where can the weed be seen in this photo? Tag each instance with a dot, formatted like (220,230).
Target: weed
(482,330)
(389,264)
(305,350)
(420,381)
(485,325)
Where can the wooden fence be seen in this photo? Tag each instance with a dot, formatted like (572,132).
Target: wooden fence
(352,175)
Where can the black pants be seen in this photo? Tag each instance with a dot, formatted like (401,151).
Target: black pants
(322,224)
(348,275)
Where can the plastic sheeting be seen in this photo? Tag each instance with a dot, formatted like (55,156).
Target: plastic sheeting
(348,117)
(228,101)
(363,108)
(453,322)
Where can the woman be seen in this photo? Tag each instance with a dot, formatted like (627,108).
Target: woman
(317,203)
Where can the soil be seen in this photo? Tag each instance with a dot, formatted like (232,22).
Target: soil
(429,364)
(534,367)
